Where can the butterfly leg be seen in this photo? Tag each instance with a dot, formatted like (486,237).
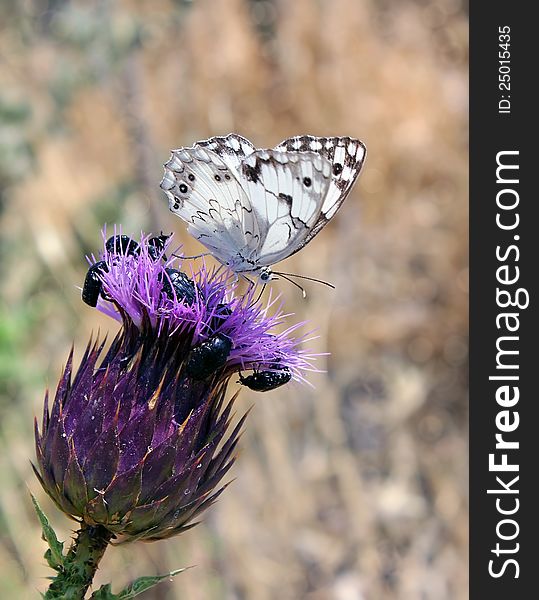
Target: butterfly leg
(250,283)
(260,295)
(251,288)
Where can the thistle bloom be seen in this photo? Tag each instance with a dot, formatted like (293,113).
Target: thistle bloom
(137,442)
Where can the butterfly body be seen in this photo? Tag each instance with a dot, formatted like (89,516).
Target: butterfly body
(253,208)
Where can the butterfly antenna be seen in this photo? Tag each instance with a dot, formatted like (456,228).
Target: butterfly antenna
(308,279)
(284,276)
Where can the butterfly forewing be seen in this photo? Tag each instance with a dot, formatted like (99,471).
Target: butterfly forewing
(286,190)
(231,148)
(346,156)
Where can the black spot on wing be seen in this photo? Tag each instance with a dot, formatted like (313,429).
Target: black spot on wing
(231,145)
(326,147)
(252,173)
(287,198)
(298,223)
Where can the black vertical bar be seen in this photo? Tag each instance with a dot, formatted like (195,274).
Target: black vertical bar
(504,243)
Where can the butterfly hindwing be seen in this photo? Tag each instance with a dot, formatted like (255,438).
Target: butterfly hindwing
(205,192)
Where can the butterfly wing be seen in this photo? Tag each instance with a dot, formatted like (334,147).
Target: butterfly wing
(254,208)
(231,148)
(202,187)
(346,156)
(286,191)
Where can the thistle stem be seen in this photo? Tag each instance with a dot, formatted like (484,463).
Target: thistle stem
(80,564)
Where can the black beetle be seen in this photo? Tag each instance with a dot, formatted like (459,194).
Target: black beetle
(156,245)
(92,283)
(208,357)
(177,281)
(222,312)
(264,381)
(122,244)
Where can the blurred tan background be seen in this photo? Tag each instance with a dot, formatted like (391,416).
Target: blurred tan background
(357,489)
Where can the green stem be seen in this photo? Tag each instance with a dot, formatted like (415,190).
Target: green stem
(80,564)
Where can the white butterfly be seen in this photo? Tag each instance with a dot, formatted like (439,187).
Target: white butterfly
(253,208)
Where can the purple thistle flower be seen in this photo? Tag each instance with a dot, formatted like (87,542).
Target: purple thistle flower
(137,286)
(136,441)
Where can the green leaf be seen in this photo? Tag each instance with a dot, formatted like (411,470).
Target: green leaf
(134,589)
(55,554)
(104,593)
